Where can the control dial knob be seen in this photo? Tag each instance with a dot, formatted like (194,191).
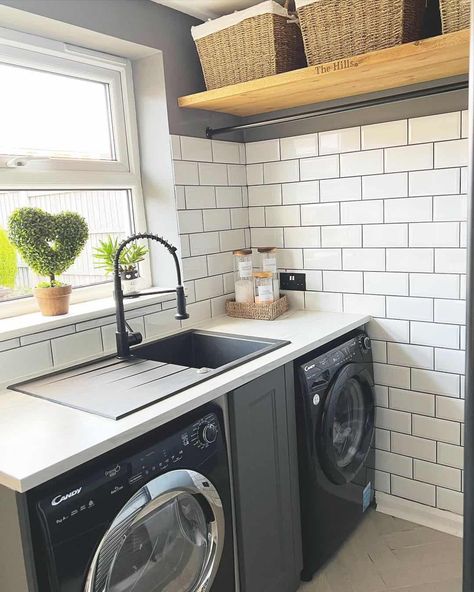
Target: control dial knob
(366,345)
(207,433)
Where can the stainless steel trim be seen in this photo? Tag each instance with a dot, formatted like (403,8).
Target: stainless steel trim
(159,491)
(468,538)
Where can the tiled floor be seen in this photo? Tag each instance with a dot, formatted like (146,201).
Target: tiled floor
(387,554)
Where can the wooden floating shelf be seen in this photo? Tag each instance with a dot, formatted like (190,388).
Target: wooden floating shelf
(422,61)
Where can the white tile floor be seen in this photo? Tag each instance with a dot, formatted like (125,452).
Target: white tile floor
(386,554)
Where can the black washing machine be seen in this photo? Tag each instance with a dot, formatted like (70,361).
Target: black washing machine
(335,405)
(151,516)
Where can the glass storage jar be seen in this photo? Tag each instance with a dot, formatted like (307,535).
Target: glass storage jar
(269,263)
(263,287)
(243,276)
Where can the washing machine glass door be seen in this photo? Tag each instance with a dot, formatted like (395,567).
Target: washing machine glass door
(167,538)
(347,424)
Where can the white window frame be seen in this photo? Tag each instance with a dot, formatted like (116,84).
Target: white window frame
(78,174)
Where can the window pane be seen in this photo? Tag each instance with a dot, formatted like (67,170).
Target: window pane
(108,213)
(50,115)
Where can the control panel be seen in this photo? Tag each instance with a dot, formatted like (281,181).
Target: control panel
(87,502)
(204,433)
(318,372)
(186,447)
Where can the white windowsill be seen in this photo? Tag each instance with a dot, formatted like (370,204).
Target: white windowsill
(18,326)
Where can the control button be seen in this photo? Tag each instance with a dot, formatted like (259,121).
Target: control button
(207,433)
(177,457)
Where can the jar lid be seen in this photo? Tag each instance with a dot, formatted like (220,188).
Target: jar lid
(266,249)
(242,252)
(263,274)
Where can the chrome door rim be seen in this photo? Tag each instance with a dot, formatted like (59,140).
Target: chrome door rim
(162,489)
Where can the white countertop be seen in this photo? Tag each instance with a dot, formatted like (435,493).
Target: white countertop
(40,440)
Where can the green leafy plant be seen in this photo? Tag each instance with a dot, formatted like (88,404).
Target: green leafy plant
(8,261)
(49,243)
(130,257)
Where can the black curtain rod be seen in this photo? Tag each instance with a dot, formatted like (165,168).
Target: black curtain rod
(414,94)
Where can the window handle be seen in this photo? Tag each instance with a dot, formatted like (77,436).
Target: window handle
(21,161)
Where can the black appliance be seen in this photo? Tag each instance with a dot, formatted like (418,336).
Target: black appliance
(335,407)
(152,516)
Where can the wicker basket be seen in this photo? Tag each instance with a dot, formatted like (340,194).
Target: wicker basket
(261,312)
(251,48)
(455,15)
(337,29)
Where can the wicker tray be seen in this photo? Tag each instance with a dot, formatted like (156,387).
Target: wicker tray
(337,29)
(455,15)
(256,47)
(261,312)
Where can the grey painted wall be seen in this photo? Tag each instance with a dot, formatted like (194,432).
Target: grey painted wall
(150,24)
(147,23)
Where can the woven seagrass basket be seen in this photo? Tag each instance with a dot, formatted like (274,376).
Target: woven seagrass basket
(455,15)
(255,47)
(337,29)
(260,312)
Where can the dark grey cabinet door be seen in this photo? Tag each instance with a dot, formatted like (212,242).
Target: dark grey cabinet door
(263,437)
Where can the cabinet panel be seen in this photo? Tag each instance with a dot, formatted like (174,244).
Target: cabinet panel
(267,504)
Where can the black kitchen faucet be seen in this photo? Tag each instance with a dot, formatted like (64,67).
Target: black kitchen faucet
(124,335)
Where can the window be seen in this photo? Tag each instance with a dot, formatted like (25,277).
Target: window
(68,141)
(69,118)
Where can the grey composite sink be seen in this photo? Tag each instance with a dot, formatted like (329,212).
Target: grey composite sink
(206,350)
(116,388)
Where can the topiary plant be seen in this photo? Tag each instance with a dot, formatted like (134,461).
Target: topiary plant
(49,243)
(8,261)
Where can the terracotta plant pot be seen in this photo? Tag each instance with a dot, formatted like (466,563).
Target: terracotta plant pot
(53,302)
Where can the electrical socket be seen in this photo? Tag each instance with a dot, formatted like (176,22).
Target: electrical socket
(293,281)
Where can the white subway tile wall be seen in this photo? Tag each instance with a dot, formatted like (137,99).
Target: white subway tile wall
(385,205)
(375,217)
(214,219)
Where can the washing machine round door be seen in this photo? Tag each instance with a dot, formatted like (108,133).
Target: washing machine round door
(347,425)
(167,538)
